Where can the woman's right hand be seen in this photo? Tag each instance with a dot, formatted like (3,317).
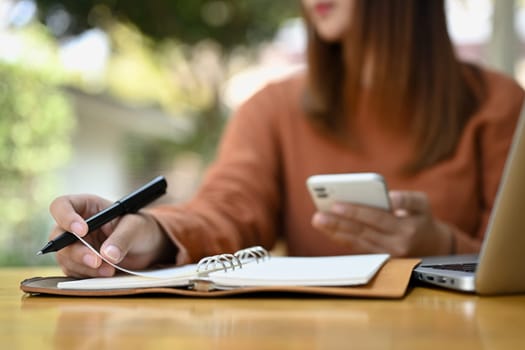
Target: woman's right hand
(133,241)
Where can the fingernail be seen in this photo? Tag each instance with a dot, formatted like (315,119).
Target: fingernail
(76,227)
(395,199)
(90,260)
(112,252)
(105,271)
(320,219)
(338,209)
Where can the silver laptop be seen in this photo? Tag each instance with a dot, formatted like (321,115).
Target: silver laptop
(500,266)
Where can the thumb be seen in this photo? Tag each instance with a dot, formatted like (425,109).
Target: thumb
(112,252)
(121,240)
(131,235)
(409,201)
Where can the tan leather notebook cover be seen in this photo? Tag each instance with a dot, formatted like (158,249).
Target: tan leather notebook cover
(390,282)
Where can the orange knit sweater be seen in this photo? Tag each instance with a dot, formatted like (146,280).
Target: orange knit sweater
(255,190)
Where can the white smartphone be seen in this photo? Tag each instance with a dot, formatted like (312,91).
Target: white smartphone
(360,188)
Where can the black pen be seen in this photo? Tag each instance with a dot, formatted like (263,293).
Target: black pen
(129,204)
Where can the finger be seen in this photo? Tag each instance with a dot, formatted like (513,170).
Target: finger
(379,219)
(359,244)
(411,201)
(381,241)
(106,270)
(127,236)
(329,223)
(73,269)
(77,260)
(78,253)
(69,211)
(361,238)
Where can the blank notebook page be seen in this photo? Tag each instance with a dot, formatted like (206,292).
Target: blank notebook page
(304,271)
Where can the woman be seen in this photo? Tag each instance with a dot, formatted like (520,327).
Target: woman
(383,92)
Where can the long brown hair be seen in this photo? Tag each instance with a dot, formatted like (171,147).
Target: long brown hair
(416,80)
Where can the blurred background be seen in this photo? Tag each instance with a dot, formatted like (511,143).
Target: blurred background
(102,96)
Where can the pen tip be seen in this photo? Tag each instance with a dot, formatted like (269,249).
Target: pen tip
(39,252)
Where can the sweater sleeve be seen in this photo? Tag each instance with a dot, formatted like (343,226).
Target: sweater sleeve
(238,202)
(495,135)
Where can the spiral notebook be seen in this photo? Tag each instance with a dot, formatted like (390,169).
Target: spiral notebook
(247,271)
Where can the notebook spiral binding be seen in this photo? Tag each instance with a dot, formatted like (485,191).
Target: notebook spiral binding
(256,253)
(232,261)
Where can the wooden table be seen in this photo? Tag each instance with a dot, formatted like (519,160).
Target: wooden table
(425,319)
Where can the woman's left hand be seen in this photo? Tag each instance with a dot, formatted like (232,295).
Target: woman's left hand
(408,230)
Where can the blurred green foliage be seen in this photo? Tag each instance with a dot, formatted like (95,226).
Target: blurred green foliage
(35,126)
(169,75)
(230,23)
(182,80)
(176,55)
